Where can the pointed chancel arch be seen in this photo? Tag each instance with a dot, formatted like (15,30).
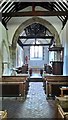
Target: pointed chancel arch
(30,21)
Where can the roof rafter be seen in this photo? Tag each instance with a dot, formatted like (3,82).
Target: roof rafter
(35,13)
(12,9)
(56,8)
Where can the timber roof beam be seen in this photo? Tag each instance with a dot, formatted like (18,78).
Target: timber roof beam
(35,13)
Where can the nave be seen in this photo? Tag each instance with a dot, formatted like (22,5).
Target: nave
(34,106)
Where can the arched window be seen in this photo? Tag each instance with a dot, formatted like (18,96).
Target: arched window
(36,52)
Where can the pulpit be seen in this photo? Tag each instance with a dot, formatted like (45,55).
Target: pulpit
(57,67)
(57,63)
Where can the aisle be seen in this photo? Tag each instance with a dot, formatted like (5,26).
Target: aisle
(35,105)
(36,77)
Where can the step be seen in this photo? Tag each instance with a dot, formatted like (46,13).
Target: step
(35,80)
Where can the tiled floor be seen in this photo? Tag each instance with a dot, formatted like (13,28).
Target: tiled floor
(34,106)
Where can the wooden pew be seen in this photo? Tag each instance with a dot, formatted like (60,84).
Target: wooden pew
(53,83)
(12,89)
(3,115)
(17,78)
(62,107)
(14,86)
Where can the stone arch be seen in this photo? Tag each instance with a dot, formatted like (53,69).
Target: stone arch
(28,22)
(45,23)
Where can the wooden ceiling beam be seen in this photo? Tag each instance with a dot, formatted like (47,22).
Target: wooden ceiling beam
(35,45)
(56,49)
(30,37)
(21,44)
(35,13)
(33,6)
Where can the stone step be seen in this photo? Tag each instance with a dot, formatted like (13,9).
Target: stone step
(35,80)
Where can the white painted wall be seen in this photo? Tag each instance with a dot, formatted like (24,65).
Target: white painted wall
(0,49)
(64,37)
(46,55)
(13,24)
(4,50)
(19,56)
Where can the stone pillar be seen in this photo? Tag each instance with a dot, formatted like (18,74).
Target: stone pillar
(12,57)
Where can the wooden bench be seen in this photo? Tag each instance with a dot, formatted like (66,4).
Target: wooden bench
(62,107)
(14,86)
(3,115)
(62,113)
(53,84)
(62,90)
(12,89)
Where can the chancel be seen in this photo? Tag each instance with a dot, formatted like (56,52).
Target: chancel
(34,59)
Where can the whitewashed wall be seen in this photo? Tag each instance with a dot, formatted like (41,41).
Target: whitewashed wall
(0,49)
(4,50)
(64,37)
(19,56)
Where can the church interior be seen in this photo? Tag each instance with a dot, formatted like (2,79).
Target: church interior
(33,59)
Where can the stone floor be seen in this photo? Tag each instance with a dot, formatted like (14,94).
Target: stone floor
(34,106)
